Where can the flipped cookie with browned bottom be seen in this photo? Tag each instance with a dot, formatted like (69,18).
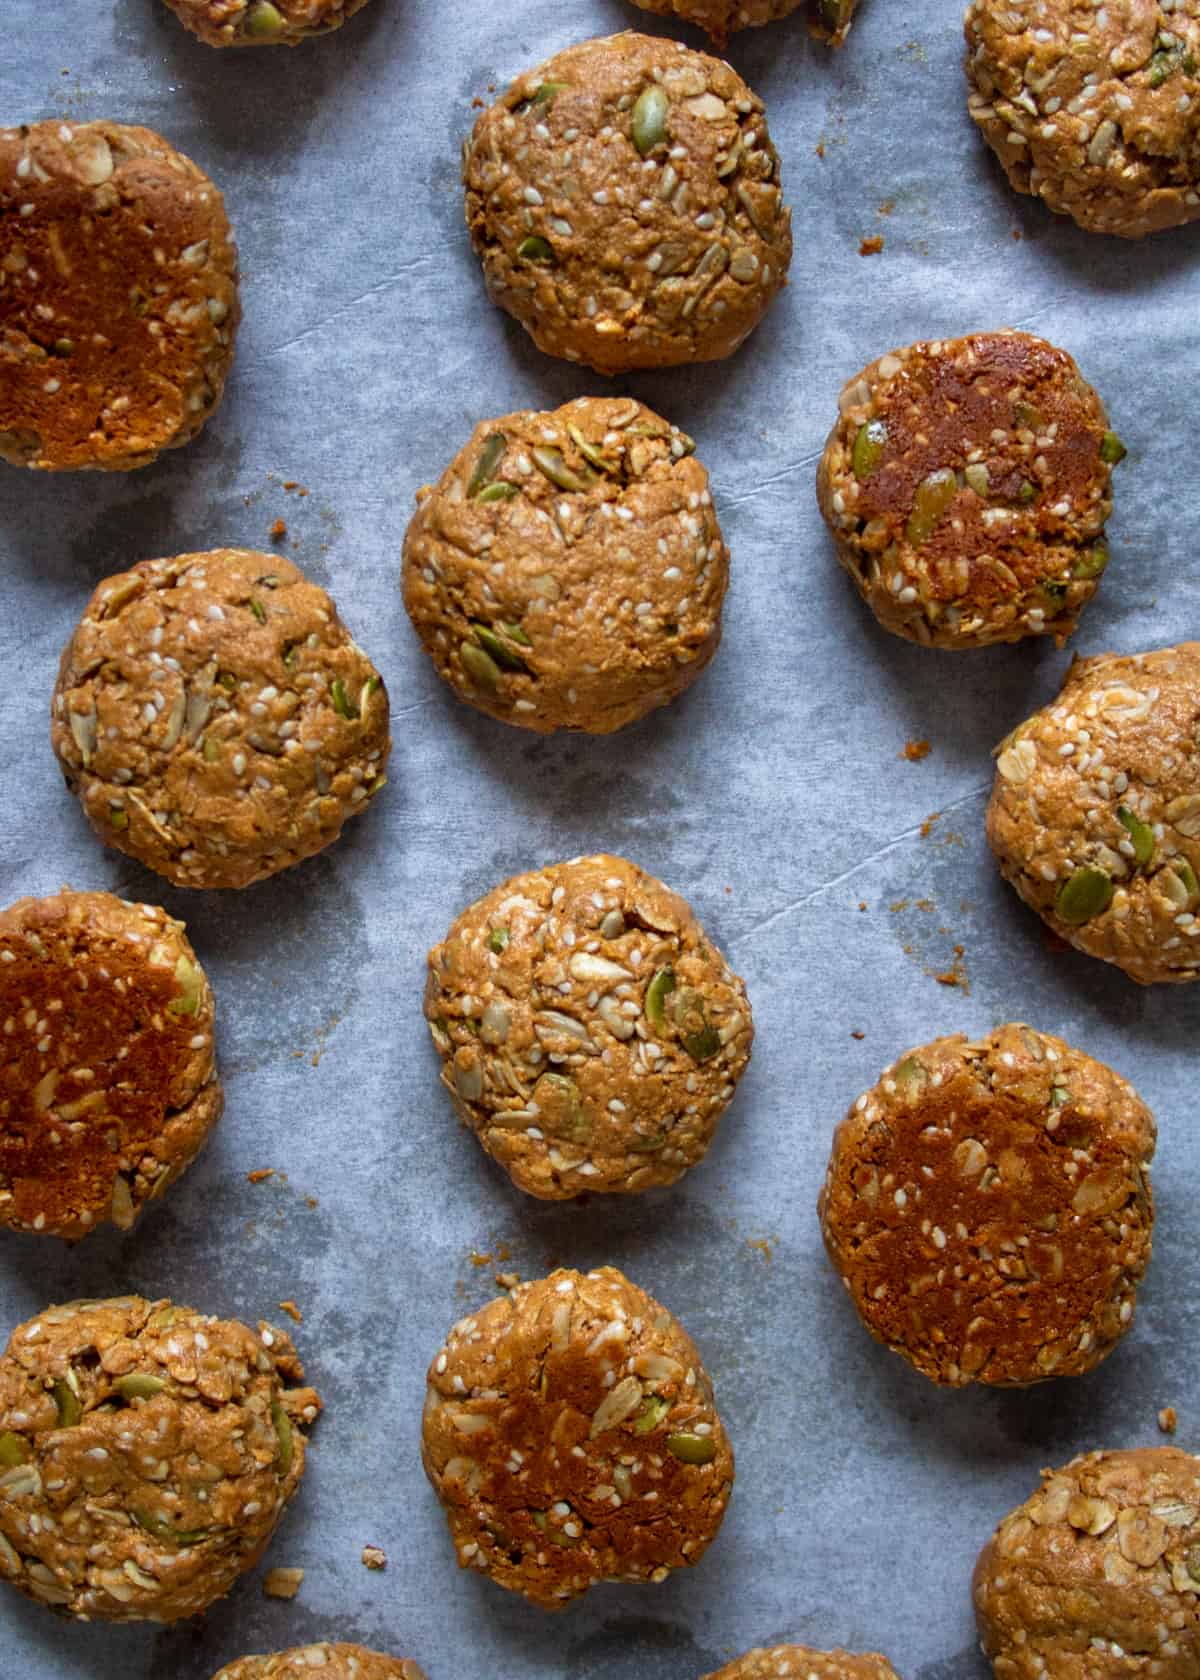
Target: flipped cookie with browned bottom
(799,1662)
(591,1034)
(828,20)
(988,1207)
(1095,113)
(118,296)
(325,1662)
(568,570)
(571,1435)
(108,1082)
(624,200)
(1095,813)
(216,718)
(147,1453)
(967,483)
(1097,1575)
(262,23)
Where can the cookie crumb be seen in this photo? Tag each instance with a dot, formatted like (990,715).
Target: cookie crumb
(260,1175)
(915,751)
(282,1583)
(507,1280)
(292,1310)
(871,247)
(1168,1420)
(858,1034)
(374,1557)
(478,1259)
(763,1245)
(278,530)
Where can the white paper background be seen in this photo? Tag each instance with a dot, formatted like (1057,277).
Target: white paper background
(773,795)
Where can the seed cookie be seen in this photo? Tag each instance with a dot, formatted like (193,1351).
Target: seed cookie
(624,200)
(108,1081)
(828,20)
(591,1035)
(1095,812)
(1097,1575)
(332,1662)
(988,1207)
(1100,119)
(147,1453)
(798,1662)
(216,718)
(967,483)
(262,23)
(118,296)
(568,570)
(571,1435)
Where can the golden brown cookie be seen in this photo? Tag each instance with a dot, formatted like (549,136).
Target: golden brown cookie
(799,1662)
(624,200)
(967,483)
(1095,812)
(1097,1575)
(591,1034)
(147,1453)
(108,1082)
(568,570)
(328,1662)
(262,23)
(1098,117)
(988,1207)
(216,718)
(118,296)
(828,20)
(571,1434)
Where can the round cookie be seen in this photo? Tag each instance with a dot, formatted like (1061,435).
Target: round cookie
(147,1453)
(333,1662)
(624,200)
(591,1034)
(799,1662)
(1101,118)
(262,23)
(118,296)
(828,20)
(967,483)
(1097,1575)
(1095,812)
(108,1082)
(988,1207)
(568,570)
(216,718)
(571,1435)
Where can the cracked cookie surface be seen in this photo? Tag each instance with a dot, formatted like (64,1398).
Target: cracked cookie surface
(326,1661)
(262,23)
(568,571)
(624,200)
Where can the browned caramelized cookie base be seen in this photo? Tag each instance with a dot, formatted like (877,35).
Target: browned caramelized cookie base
(325,1662)
(571,1434)
(987,1206)
(118,296)
(799,1662)
(967,485)
(262,23)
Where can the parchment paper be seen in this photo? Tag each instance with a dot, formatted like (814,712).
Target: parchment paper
(774,796)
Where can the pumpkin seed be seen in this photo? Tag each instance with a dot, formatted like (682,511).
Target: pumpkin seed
(533,248)
(869,446)
(932,500)
(1140,833)
(699,1038)
(692,1449)
(342,703)
(67,1403)
(596,457)
(479,666)
(489,459)
(1093,563)
(654,1409)
(161,1529)
(139,1385)
(911,1076)
(263,20)
(648,122)
(499,491)
(257,608)
(283,1435)
(1112,450)
(976,477)
(498,940)
(657,991)
(1085,894)
(495,646)
(551,463)
(188,979)
(14,1450)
